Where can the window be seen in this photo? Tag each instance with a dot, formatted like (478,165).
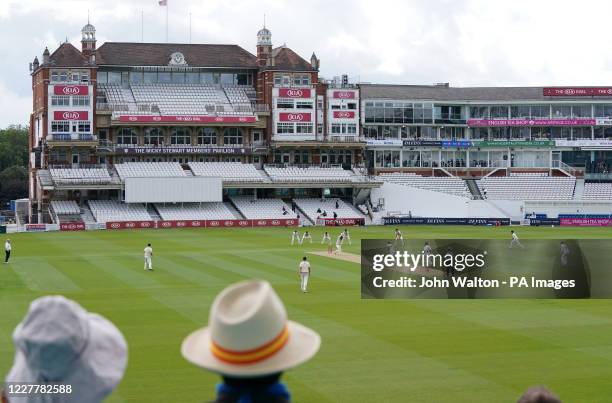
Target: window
(336,128)
(540,111)
(227,79)
(303,128)
(60,100)
(519,112)
(207,78)
(284,128)
(180,135)
(114,77)
(561,111)
(192,78)
(499,112)
(207,136)
(256,136)
(80,101)
(153,136)
(150,77)
(232,136)
(54,76)
(84,127)
(164,77)
(60,126)
(303,105)
(581,111)
(603,110)
(178,77)
(63,76)
(136,77)
(283,103)
(127,135)
(351,128)
(85,77)
(301,79)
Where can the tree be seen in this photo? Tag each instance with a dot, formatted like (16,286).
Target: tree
(13,163)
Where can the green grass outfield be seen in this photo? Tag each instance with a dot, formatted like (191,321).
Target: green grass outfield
(372,351)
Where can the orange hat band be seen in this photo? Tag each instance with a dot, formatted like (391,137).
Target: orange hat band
(253,355)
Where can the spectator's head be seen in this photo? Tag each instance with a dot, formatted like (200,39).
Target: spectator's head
(249,335)
(60,341)
(538,394)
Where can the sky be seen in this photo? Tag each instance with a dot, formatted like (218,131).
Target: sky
(462,42)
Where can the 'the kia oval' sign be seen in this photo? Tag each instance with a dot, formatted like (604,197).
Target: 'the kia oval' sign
(70,115)
(294,117)
(70,90)
(294,92)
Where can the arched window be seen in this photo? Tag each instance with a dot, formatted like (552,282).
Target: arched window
(232,136)
(207,136)
(153,136)
(127,135)
(180,135)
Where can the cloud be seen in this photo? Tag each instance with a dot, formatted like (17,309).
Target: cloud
(14,108)
(464,42)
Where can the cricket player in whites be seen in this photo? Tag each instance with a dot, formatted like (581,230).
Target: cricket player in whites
(339,242)
(148,254)
(514,242)
(399,238)
(304,272)
(326,238)
(306,236)
(295,237)
(347,236)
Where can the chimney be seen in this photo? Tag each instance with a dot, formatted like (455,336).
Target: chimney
(46,56)
(35,64)
(314,62)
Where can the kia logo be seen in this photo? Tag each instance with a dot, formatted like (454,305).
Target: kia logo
(214,223)
(569,91)
(133,118)
(130,225)
(343,115)
(71,90)
(228,223)
(195,223)
(71,115)
(166,224)
(343,94)
(243,223)
(261,223)
(180,224)
(275,222)
(295,93)
(292,117)
(115,225)
(290,222)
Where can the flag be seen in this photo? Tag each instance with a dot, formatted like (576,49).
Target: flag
(163,2)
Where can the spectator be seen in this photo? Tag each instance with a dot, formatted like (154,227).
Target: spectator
(250,348)
(337,204)
(324,213)
(538,395)
(89,352)
(335,215)
(319,210)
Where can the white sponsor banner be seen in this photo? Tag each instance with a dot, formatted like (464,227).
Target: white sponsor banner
(583,143)
(603,122)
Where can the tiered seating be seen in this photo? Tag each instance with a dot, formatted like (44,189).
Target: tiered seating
(307,174)
(114,93)
(195,211)
(527,188)
(311,205)
(111,210)
(262,208)
(447,184)
(184,99)
(597,191)
(228,171)
(66,176)
(149,169)
(237,95)
(65,207)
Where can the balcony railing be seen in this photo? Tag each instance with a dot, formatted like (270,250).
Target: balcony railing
(71,137)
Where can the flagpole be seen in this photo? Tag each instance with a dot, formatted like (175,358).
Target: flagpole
(190,28)
(141,25)
(166,21)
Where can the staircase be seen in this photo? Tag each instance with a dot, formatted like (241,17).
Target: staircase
(153,212)
(471,184)
(230,206)
(579,189)
(86,214)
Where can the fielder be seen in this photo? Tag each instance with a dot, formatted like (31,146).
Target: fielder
(326,238)
(565,252)
(339,242)
(304,272)
(306,236)
(347,236)
(7,251)
(514,242)
(148,254)
(295,237)
(399,238)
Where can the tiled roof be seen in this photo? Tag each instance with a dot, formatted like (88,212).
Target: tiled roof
(158,54)
(67,56)
(287,59)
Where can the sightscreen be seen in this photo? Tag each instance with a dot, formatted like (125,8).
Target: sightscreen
(173,190)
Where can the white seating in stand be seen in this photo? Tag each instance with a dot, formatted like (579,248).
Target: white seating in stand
(195,211)
(308,174)
(111,210)
(65,207)
(149,169)
(227,171)
(77,176)
(445,184)
(527,187)
(262,208)
(310,206)
(597,191)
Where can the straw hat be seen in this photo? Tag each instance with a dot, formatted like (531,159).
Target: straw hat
(249,334)
(60,341)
